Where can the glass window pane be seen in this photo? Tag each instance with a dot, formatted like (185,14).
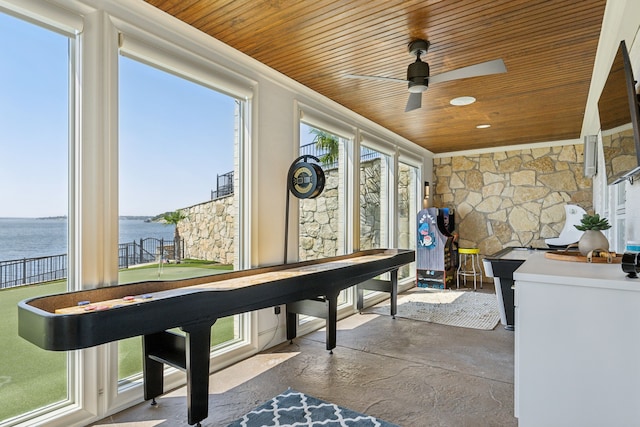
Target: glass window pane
(34,117)
(178,207)
(407,210)
(374,201)
(374,206)
(321,218)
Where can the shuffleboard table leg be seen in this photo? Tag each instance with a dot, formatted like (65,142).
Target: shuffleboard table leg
(198,348)
(332,321)
(152,370)
(360,296)
(292,325)
(394,293)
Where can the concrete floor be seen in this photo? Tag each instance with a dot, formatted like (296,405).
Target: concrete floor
(410,373)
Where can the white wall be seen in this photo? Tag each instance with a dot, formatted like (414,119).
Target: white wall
(621,22)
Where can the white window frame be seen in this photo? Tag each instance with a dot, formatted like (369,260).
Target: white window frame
(346,133)
(183,63)
(73,410)
(414,162)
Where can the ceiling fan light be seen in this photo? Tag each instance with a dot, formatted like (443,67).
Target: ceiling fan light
(417,88)
(462,100)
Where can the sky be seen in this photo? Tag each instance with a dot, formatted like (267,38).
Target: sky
(175,136)
(33,120)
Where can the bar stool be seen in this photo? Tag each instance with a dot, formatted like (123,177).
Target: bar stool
(469,266)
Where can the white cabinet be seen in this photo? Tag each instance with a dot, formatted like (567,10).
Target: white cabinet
(577,345)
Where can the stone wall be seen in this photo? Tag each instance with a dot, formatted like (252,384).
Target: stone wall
(319,221)
(370,204)
(513,198)
(208,230)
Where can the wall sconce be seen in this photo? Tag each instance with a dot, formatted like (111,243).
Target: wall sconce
(425,201)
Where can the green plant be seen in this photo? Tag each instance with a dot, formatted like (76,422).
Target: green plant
(328,142)
(593,222)
(174,218)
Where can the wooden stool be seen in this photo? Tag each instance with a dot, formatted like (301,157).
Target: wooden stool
(469,266)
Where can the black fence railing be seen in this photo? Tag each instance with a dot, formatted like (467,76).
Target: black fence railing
(148,250)
(312,149)
(29,271)
(224,182)
(224,186)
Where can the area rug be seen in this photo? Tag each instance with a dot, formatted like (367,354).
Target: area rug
(295,409)
(464,309)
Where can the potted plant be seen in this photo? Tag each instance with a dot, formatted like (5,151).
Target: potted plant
(593,238)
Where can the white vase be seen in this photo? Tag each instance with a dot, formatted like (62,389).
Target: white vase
(592,239)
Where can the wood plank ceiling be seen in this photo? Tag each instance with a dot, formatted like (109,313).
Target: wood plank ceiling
(548,47)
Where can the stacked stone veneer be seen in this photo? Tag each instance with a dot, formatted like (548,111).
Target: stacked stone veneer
(209,229)
(513,198)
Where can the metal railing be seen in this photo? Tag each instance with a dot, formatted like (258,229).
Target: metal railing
(29,271)
(224,182)
(224,186)
(312,149)
(148,250)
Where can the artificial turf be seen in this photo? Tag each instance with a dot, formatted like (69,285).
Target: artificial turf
(31,377)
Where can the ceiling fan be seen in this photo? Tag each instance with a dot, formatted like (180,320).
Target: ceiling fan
(418,74)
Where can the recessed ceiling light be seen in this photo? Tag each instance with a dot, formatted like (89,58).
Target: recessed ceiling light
(483,126)
(462,100)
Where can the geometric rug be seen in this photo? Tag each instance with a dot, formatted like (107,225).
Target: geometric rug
(295,409)
(465,309)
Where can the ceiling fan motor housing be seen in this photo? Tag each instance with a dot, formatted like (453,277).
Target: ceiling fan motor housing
(418,76)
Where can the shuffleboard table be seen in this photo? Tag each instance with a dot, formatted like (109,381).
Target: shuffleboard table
(81,319)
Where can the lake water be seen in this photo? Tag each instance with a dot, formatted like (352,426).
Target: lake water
(32,237)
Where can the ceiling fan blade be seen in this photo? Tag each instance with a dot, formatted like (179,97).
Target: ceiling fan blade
(482,69)
(360,76)
(414,102)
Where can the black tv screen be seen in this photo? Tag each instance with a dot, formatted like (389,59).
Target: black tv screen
(620,120)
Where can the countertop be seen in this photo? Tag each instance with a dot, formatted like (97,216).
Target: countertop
(537,268)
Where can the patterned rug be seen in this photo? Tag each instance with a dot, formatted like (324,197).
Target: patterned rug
(466,309)
(295,409)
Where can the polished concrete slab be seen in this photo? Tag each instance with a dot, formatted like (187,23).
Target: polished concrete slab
(407,372)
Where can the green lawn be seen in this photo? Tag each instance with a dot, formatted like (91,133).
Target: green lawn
(31,377)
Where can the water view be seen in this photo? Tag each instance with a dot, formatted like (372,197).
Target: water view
(37,237)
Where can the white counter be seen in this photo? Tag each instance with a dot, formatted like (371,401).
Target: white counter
(577,344)
(537,268)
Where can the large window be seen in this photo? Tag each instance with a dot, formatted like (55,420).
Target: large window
(34,137)
(374,199)
(375,210)
(407,209)
(177,188)
(322,218)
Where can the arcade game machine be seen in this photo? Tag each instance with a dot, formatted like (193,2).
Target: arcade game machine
(436,252)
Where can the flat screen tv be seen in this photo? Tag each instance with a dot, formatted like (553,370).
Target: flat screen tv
(620,120)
